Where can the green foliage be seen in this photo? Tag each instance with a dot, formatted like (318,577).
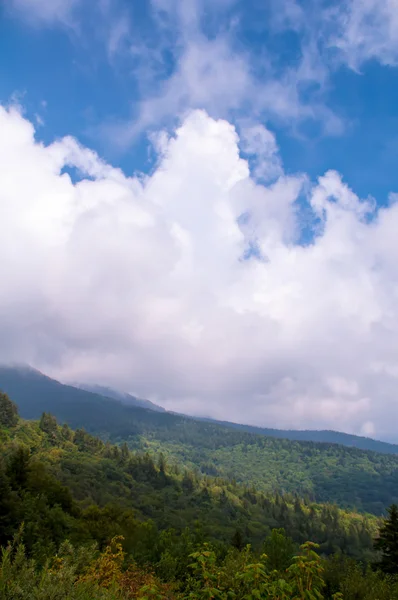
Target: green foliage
(83,573)
(387,542)
(237,540)
(8,411)
(357,581)
(354,479)
(75,574)
(139,528)
(351,478)
(48,424)
(70,484)
(253,580)
(279,550)
(20,578)
(306,572)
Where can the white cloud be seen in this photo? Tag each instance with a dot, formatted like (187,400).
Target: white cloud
(140,283)
(177,65)
(360,30)
(207,75)
(217,73)
(45,11)
(119,32)
(260,143)
(366,29)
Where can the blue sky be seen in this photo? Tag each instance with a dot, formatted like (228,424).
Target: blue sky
(148,146)
(97,65)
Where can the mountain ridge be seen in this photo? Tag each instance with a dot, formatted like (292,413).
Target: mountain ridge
(323,436)
(355,479)
(123,397)
(12,377)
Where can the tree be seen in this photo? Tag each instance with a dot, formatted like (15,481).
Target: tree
(387,542)
(67,432)
(48,424)
(161,463)
(17,469)
(237,540)
(7,506)
(279,550)
(125,452)
(8,411)
(187,482)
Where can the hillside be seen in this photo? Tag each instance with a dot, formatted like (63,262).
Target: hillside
(321,436)
(98,473)
(352,478)
(36,392)
(178,536)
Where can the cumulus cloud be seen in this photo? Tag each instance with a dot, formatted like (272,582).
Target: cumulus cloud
(140,282)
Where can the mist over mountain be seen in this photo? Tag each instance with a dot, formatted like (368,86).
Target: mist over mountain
(124,397)
(99,408)
(325,471)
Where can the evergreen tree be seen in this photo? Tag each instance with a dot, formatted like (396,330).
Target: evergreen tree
(187,482)
(125,452)
(8,411)
(279,550)
(48,423)
(67,433)
(7,506)
(17,469)
(161,463)
(387,542)
(237,540)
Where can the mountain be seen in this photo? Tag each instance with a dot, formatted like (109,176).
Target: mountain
(121,396)
(35,393)
(322,436)
(119,480)
(352,478)
(81,518)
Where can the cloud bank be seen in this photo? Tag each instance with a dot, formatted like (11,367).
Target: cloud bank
(197,286)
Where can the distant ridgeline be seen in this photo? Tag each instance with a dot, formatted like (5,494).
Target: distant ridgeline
(322,472)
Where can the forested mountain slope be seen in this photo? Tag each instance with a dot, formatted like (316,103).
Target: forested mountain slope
(35,391)
(322,436)
(91,488)
(352,478)
(65,495)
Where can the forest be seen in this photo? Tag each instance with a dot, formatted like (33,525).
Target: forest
(83,518)
(355,479)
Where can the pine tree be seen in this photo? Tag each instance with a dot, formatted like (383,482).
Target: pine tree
(8,411)
(237,540)
(387,542)
(279,550)
(17,469)
(48,423)
(161,463)
(125,452)
(67,433)
(7,507)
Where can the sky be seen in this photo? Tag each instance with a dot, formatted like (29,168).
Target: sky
(199,204)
